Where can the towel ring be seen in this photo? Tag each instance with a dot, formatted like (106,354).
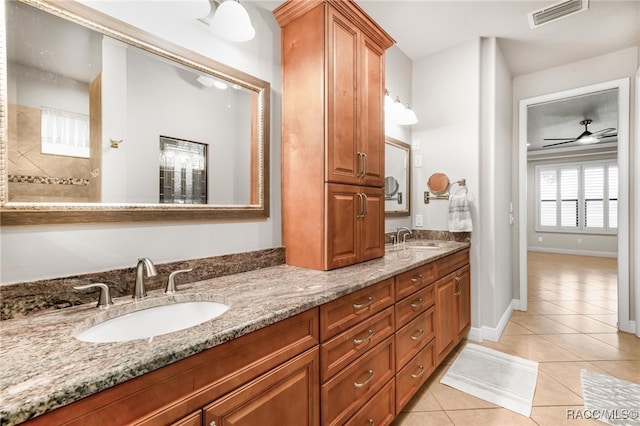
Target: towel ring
(462,184)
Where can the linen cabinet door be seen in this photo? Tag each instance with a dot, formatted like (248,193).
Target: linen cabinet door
(344,203)
(343,160)
(372,224)
(371,142)
(288,395)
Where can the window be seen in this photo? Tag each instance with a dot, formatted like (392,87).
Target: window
(64,133)
(578,197)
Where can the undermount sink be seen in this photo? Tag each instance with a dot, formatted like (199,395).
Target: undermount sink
(155,321)
(425,245)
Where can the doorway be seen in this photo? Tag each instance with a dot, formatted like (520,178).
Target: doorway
(543,218)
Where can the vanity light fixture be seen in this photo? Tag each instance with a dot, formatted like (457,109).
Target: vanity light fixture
(408,117)
(208,81)
(229,20)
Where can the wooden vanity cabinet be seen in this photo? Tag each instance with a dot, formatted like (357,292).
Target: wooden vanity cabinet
(194,419)
(332,133)
(176,392)
(453,306)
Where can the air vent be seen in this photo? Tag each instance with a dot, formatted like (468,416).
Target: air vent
(556,11)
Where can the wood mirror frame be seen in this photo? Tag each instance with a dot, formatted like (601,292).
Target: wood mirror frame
(403,178)
(14,213)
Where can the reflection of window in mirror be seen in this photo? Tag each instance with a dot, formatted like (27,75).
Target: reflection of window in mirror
(183,171)
(64,133)
(397,177)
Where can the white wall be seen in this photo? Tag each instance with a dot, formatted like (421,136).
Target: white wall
(446,99)
(612,66)
(495,229)
(398,81)
(38,252)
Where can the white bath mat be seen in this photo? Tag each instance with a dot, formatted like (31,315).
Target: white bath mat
(503,379)
(609,399)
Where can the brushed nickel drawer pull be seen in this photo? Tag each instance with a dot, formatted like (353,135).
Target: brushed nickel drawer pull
(418,336)
(365,204)
(359,385)
(417,303)
(366,166)
(458,286)
(417,278)
(419,373)
(357,306)
(357,341)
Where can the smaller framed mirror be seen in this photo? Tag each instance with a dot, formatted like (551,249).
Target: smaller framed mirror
(438,184)
(397,182)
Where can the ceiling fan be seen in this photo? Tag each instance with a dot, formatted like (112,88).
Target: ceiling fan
(586,136)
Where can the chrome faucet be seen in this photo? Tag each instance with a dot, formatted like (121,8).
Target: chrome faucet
(399,232)
(139,291)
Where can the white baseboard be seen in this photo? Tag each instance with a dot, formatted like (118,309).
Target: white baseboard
(573,252)
(479,334)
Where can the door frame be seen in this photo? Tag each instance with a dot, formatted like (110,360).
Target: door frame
(624,323)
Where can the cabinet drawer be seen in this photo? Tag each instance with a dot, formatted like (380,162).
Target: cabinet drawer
(415,279)
(380,410)
(414,374)
(342,313)
(452,262)
(414,336)
(350,389)
(412,306)
(338,352)
(193,420)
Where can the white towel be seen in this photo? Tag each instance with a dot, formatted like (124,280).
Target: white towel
(459,213)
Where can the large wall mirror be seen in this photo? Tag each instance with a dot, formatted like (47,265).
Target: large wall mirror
(103,122)
(397,177)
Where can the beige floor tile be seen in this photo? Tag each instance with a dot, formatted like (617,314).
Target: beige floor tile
(583,323)
(453,399)
(537,348)
(624,341)
(513,328)
(549,295)
(551,392)
(540,324)
(625,370)
(492,416)
(611,320)
(497,346)
(611,305)
(580,307)
(431,418)
(561,416)
(423,400)
(545,308)
(590,349)
(568,373)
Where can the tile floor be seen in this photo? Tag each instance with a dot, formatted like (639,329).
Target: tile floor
(570,325)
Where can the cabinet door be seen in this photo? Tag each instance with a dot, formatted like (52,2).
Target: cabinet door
(341,238)
(372,224)
(288,395)
(446,317)
(463,280)
(343,161)
(371,142)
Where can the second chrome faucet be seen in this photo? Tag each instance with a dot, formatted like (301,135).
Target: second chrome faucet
(144,264)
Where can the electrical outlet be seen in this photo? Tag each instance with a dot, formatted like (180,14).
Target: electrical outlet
(539,239)
(579,240)
(418,221)
(418,160)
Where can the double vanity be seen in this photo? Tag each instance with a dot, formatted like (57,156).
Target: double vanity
(352,343)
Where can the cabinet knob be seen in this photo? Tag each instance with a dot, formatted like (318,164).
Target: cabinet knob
(371,422)
(213,423)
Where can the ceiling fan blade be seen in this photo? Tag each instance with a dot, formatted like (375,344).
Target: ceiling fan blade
(603,132)
(559,143)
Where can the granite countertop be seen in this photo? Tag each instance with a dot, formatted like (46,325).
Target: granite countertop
(44,367)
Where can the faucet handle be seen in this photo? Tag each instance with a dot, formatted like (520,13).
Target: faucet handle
(104,301)
(171,284)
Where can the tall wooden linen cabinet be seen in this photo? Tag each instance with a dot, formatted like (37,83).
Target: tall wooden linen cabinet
(332,133)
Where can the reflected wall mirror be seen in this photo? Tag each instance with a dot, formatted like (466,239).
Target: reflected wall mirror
(397,182)
(89,106)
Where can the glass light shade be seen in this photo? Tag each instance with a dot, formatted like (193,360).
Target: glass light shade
(396,111)
(408,117)
(232,22)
